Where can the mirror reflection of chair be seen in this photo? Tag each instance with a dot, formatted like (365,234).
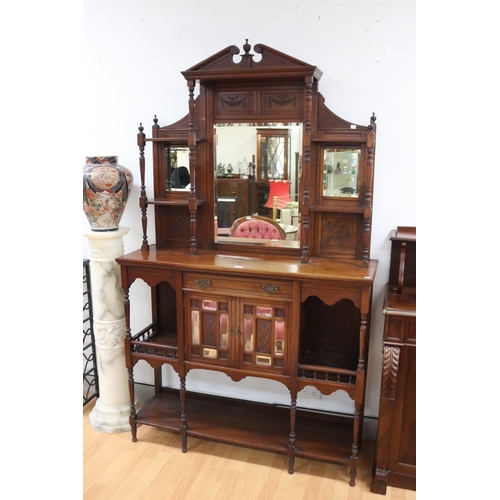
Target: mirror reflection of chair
(257,227)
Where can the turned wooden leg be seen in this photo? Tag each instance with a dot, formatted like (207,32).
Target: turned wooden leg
(184,426)
(132,417)
(355,447)
(352,471)
(291,441)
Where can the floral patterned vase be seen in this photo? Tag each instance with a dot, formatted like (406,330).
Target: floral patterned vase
(106,189)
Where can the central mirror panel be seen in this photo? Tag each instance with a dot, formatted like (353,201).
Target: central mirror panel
(257,174)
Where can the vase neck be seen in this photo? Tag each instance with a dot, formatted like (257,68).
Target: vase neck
(101,160)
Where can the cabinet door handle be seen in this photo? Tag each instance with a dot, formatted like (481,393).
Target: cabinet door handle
(239,332)
(270,288)
(232,332)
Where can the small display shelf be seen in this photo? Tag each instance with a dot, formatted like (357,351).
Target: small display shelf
(326,374)
(149,341)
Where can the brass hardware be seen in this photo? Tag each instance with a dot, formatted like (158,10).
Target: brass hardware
(209,353)
(239,332)
(203,283)
(263,360)
(270,288)
(232,332)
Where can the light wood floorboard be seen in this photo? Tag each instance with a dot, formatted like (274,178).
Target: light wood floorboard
(115,468)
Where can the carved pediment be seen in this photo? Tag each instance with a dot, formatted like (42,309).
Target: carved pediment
(225,62)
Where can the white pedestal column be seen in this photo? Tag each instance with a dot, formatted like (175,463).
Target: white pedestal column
(112,409)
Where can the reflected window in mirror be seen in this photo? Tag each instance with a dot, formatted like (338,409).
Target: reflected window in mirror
(341,172)
(177,168)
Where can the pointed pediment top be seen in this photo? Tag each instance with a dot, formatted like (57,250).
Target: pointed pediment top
(265,62)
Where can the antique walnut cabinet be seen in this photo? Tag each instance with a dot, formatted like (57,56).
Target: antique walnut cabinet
(296,311)
(395,461)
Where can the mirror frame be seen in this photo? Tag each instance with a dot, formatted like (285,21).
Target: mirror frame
(264,86)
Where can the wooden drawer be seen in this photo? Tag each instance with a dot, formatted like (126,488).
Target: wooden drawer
(400,329)
(237,286)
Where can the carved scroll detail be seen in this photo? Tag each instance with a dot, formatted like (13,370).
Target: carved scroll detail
(390,371)
(263,344)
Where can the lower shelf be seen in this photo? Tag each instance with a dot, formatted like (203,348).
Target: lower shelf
(318,435)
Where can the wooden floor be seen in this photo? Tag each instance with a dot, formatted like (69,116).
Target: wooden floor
(155,468)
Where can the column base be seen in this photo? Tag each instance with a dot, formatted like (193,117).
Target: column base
(111,419)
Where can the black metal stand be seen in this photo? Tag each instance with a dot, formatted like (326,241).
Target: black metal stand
(90,376)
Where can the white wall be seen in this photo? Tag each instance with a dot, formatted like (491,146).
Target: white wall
(134,51)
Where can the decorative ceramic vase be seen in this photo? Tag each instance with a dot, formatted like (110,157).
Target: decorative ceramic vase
(106,189)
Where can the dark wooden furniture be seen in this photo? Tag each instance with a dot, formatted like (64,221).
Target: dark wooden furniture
(395,455)
(272,154)
(242,190)
(227,210)
(293,312)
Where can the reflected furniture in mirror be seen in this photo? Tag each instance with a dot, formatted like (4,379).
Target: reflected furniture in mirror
(296,311)
(269,145)
(279,196)
(257,227)
(341,172)
(239,189)
(272,153)
(177,176)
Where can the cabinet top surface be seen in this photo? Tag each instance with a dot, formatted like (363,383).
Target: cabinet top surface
(404,233)
(354,272)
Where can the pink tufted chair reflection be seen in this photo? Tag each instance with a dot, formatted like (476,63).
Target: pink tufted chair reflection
(257,227)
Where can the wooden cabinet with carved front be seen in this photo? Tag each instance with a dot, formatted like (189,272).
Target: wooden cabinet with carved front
(395,462)
(295,310)
(247,332)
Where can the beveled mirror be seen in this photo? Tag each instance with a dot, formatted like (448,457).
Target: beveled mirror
(177,168)
(341,172)
(257,172)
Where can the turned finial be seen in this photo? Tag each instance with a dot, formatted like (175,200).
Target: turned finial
(246,58)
